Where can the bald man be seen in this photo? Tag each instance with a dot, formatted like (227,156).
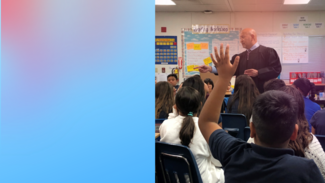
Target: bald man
(259,62)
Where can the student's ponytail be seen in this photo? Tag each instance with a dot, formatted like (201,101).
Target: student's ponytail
(188,102)
(187,130)
(312,91)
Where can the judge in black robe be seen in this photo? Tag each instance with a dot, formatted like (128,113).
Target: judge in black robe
(264,59)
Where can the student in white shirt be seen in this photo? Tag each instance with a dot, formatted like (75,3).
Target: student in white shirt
(183,129)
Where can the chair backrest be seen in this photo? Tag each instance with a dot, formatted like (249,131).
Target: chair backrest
(321,139)
(176,164)
(234,124)
(247,133)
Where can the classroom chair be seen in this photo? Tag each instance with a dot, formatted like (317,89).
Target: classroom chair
(247,133)
(176,164)
(321,139)
(234,124)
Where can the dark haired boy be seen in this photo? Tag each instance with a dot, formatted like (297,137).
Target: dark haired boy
(273,126)
(274,84)
(173,80)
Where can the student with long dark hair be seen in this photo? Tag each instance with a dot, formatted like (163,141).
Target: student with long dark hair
(210,85)
(244,96)
(306,144)
(164,100)
(306,87)
(184,129)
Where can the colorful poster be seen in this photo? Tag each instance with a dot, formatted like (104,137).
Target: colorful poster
(197,48)
(166,50)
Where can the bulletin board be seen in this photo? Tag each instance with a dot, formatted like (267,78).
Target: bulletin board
(166,50)
(197,48)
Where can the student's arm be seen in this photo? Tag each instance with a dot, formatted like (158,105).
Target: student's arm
(211,110)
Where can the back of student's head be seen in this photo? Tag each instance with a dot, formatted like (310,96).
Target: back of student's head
(209,81)
(305,86)
(274,117)
(274,84)
(304,137)
(246,92)
(196,83)
(188,103)
(164,98)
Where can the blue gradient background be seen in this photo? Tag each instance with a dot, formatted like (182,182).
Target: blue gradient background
(77,92)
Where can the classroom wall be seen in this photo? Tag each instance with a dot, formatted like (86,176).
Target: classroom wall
(260,21)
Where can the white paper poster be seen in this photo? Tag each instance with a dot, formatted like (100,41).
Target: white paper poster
(295,25)
(285,26)
(272,40)
(318,25)
(196,53)
(233,46)
(307,25)
(161,76)
(302,19)
(295,48)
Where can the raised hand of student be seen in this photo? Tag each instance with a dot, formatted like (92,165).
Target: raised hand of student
(222,62)
(208,121)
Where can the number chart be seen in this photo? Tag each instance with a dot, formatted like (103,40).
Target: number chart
(166,50)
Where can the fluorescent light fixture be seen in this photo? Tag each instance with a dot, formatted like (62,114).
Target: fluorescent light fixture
(164,2)
(296,1)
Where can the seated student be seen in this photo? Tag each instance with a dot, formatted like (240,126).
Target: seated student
(197,83)
(245,94)
(226,99)
(164,100)
(274,84)
(210,85)
(184,129)
(306,144)
(173,80)
(318,123)
(273,126)
(305,86)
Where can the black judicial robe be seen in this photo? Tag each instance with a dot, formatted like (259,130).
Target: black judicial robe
(263,59)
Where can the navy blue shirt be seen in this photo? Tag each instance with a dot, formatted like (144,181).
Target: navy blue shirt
(244,162)
(310,109)
(318,122)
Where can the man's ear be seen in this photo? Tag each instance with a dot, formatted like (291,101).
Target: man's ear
(294,133)
(253,131)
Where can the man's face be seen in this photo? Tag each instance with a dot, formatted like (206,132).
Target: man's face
(246,40)
(172,81)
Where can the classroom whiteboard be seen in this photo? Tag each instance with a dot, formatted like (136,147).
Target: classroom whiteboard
(316,58)
(197,48)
